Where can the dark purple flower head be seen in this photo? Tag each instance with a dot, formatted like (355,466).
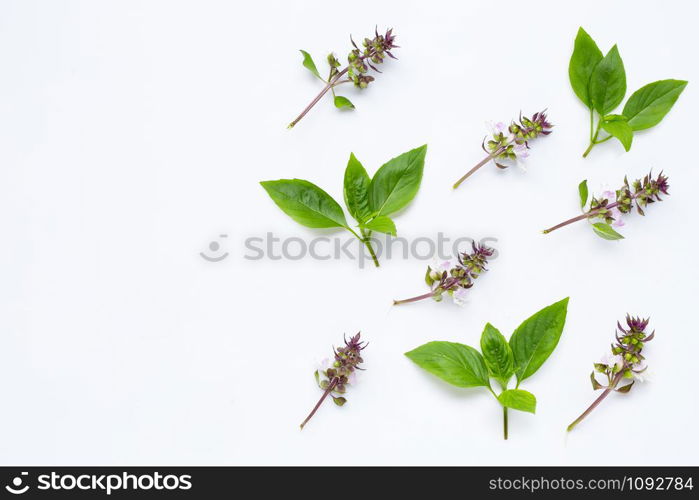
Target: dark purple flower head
(373,52)
(636,324)
(540,120)
(353,345)
(528,129)
(348,358)
(661,183)
(481,250)
(475,262)
(471,265)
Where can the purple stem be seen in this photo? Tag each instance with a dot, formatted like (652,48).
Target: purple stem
(330,388)
(445,286)
(478,165)
(317,98)
(597,401)
(586,215)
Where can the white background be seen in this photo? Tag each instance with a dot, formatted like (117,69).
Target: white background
(134,133)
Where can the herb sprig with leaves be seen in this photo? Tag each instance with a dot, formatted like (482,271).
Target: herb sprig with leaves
(359,61)
(369,200)
(454,277)
(340,373)
(600,83)
(612,205)
(509,145)
(625,362)
(529,347)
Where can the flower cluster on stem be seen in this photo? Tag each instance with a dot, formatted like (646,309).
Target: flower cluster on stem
(454,278)
(359,61)
(638,195)
(624,362)
(333,380)
(509,144)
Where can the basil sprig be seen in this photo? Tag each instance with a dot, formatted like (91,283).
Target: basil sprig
(528,348)
(369,200)
(599,81)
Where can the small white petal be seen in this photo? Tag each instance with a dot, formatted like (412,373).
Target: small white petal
(611,360)
(323,364)
(610,195)
(460,296)
(521,151)
(442,265)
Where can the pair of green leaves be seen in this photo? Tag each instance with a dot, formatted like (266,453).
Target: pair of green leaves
(601,229)
(600,83)
(369,200)
(528,348)
(340,101)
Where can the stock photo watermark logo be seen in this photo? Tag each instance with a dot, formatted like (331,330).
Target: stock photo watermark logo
(100,483)
(324,248)
(18,486)
(215,251)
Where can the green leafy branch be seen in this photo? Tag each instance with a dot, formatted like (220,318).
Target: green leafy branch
(369,200)
(600,83)
(528,348)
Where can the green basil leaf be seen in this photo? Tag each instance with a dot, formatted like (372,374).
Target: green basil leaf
(595,385)
(396,183)
(343,103)
(306,203)
(517,399)
(535,339)
(608,82)
(604,230)
(382,224)
(619,129)
(309,64)
(497,353)
(356,189)
(615,118)
(625,388)
(458,364)
(586,55)
(648,105)
(582,190)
